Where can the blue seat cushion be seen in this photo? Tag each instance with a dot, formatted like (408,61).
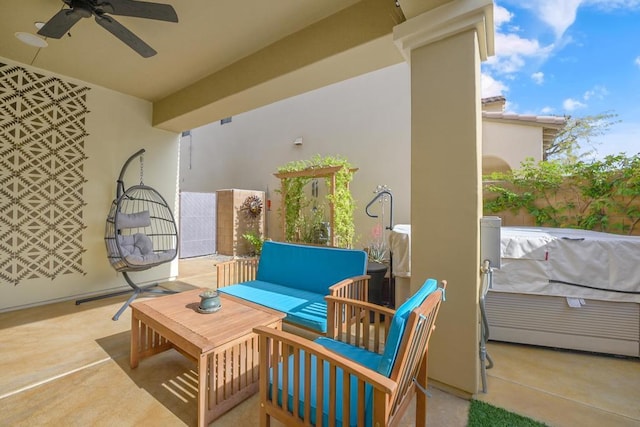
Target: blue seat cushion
(309,268)
(359,355)
(353,400)
(304,308)
(398,323)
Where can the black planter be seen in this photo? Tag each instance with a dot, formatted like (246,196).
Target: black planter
(377,271)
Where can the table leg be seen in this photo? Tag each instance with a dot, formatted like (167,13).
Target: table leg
(202,390)
(135,332)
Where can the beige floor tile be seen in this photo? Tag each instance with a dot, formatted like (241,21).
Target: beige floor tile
(42,342)
(552,409)
(584,378)
(110,394)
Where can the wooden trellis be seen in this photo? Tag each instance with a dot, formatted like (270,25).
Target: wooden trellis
(329,174)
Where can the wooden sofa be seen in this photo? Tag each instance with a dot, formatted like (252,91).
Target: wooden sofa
(295,279)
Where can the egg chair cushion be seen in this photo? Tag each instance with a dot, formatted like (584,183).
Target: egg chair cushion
(133,220)
(137,244)
(137,249)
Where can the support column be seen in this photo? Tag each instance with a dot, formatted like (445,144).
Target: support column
(445,46)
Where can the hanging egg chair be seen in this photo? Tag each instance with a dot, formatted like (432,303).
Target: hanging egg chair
(140,234)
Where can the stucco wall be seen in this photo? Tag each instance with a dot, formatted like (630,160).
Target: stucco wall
(511,142)
(117,126)
(366,120)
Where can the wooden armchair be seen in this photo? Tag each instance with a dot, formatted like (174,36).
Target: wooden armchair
(363,373)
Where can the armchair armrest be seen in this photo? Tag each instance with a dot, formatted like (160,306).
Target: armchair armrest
(359,323)
(236,271)
(356,287)
(275,349)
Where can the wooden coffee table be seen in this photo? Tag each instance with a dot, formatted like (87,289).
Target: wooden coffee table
(221,343)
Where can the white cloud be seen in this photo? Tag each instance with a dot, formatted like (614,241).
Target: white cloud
(512,51)
(598,92)
(558,14)
(570,104)
(538,77)
(637,61)
(546,110)
(491,86)
(512,44)
(614,4)
(501,15)
(511,55)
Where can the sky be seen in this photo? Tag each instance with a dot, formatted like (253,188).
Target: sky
(570,57)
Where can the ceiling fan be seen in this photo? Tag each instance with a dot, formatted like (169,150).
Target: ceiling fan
(61,22)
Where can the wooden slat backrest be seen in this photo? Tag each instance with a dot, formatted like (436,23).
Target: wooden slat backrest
(414,348)
(358,288)
(236,271)
(349,321)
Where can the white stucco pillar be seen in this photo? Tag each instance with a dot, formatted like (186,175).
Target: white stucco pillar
(444,47)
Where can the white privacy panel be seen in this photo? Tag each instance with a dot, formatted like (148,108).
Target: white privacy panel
(197,224)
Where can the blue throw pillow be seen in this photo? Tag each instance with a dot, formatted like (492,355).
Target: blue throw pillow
(398,324)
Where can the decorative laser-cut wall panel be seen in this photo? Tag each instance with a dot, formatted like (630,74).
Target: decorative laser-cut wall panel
(42,133)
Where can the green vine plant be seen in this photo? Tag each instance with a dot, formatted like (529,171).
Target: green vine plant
(315,228)
(295,204)
(256,241)
(602,195)
(308,228)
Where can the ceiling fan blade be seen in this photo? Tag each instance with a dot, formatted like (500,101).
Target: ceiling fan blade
(139,9)
(60,24)
(126,36)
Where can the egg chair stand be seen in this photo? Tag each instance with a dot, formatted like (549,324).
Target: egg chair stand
(140,234)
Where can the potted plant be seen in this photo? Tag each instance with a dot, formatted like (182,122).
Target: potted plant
(377,252)
(378,264)
(256,241)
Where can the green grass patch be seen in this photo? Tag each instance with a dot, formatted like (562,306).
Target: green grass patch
(482,414)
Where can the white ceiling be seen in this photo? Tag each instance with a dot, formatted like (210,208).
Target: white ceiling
(210,35)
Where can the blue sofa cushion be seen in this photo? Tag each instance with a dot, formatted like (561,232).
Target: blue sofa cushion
(303,308)
(359,355)
(398,323)
(353,400)
(310,268)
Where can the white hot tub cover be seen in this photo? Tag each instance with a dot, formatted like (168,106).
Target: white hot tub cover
(570,263)
(400,245)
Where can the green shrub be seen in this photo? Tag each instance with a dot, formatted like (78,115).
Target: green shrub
(601,195)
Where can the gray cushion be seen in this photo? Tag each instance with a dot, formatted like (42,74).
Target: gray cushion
(133,220)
